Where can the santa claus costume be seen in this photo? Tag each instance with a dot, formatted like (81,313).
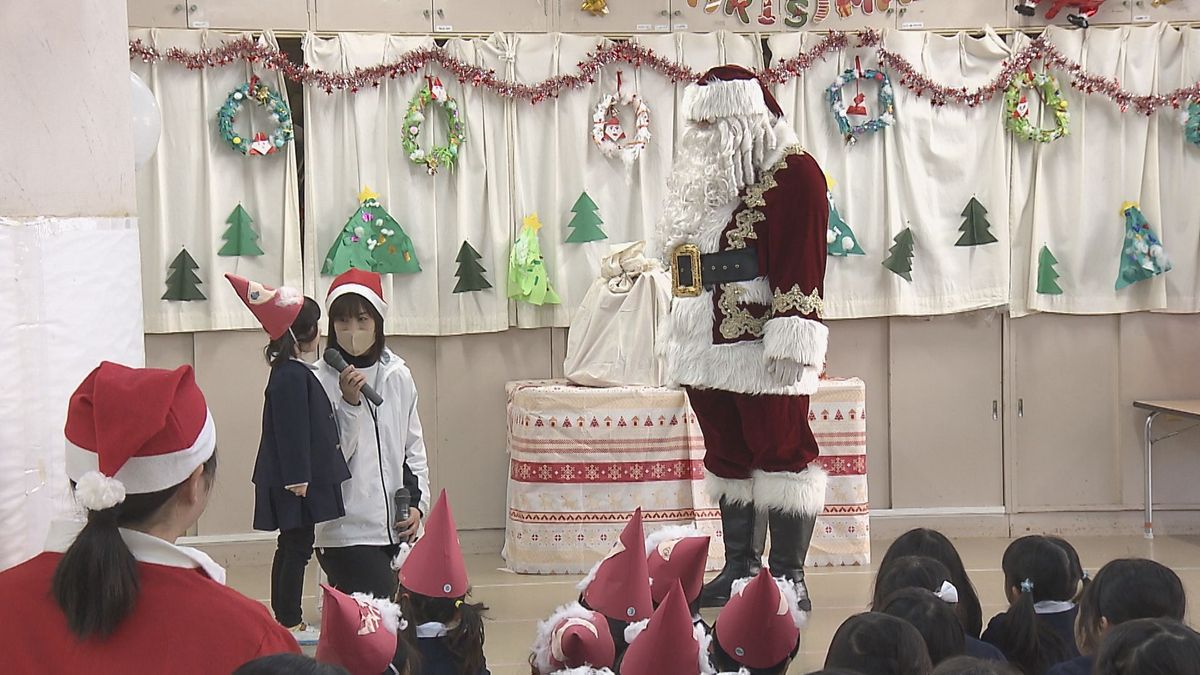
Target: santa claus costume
(115,594)
(744,230)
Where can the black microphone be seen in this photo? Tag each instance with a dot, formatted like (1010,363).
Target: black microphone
(335,361)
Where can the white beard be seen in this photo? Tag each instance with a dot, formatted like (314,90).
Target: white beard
(714,163)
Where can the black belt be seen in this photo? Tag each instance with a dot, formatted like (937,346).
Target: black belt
(692,271)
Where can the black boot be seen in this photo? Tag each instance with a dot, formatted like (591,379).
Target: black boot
(790,536)
(745,534)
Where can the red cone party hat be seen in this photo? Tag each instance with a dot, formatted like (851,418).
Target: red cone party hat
(619,586)
(275,309)
(573,637)
(435,566)
(760,626)
(668,644)
(676,554)
(358,632)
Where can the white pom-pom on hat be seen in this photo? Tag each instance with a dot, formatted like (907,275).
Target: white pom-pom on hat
(635,629)
(95,492)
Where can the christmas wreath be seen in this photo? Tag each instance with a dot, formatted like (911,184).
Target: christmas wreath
(1191,123)
(441,155)
(607,132)
(1016,107)
(841,112)
(262,95)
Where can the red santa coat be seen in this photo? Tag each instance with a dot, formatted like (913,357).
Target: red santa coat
(184,621)
(724,337)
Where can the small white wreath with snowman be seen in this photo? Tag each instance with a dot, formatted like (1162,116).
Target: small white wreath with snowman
(608,134)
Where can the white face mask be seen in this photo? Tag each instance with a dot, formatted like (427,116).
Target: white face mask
(355,342)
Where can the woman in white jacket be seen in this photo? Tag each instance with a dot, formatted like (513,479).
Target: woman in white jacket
(383,445)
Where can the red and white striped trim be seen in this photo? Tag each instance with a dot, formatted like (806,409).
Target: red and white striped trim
(153,473)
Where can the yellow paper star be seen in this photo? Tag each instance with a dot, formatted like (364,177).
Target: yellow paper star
(830,183)
(367,194)
(532,222)
(1128,205)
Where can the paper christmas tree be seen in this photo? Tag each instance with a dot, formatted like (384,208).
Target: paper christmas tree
(240,237)
(182,282)
(899,260)
(841,239)
(585,226)
(528,280)
(975,227)
(371,240)
(1142,256)
(470,272)
(1047,283)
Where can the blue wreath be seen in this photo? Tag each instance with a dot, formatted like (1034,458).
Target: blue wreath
(1191,128)
(887,104)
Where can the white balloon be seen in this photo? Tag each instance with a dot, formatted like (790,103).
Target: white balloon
(147,121)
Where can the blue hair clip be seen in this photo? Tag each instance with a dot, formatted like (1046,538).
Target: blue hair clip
(1027,586)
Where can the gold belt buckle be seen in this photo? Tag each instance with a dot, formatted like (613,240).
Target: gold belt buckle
(692,253)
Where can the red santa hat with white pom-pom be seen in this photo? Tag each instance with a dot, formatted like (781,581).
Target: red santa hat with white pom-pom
(135,430)
(728,91)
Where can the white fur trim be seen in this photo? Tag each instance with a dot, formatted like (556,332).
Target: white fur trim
(733,490)
(670,533)
(754,292)
(792,596)
(140,475)
(401,556)
(796,338)
(545,631)
(287,296)
(728,98)
(799,493)
(703,641)
(587,579)
(390,611)
(96,492)
(741,367)
(634,630)
(371,296)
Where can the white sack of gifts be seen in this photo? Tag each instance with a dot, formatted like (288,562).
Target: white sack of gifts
(612,338)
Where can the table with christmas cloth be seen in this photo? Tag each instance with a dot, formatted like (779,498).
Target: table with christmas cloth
(582,459)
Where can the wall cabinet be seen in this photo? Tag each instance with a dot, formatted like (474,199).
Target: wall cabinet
(1144,11)
(377,16)
(954,14)
(157,13)
(622,18)
(256,15)
(473,16)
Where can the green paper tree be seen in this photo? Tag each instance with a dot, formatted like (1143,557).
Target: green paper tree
(470,272)
(975,227)
(842,241)
(182,282)
(899,259)
(1142,256)
(240,237)
(1047,283)
(371,240)
(528,280)
(585,226)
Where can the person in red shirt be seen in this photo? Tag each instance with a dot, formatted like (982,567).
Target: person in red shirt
(115,594)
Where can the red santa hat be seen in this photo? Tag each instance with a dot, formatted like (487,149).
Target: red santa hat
(358,632)
(359,282)
(760,626)
(434,566)
(676,554)
(669,643)
(275,308)
(619,585)
(135,430)
(728,91)
(573,637)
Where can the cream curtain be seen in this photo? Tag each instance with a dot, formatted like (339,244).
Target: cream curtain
(188,189)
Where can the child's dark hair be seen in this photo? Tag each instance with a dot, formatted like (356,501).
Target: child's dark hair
(910,571)
(288,664)
(351,306)
(1035,569)
(1074,565)
(726,663)
(464,639)
(616,629)
(879,644)
(1149,647)
(934,544)
(1124,590)
(96,582)
(932,617)
(968,665)
(304,329)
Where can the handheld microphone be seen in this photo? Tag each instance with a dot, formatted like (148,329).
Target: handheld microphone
(335,361)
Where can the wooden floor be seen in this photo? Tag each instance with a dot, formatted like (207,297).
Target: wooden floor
(518,601)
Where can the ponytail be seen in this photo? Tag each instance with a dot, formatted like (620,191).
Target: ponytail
(1036,569)
(96,582)
(466,640)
